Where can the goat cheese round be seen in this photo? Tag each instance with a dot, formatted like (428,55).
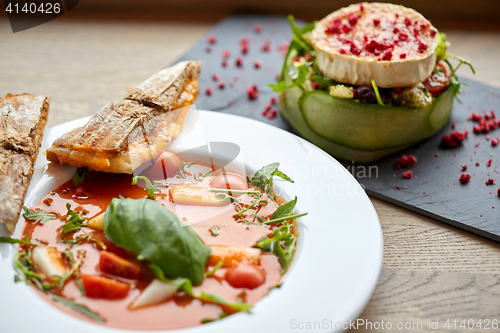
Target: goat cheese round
(391,44)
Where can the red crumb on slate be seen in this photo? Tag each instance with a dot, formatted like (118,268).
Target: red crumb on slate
(477,164)
(407,174)
(221,85)
(477,144)
(271,114)
(267,46)
(498,192)
(464,178)
(488,163)
(257,28)
(476,129)
(454,139)
(490,181)
(437,167)
(224,63)
(273,100)
(252,92)
(257,64)
(464,166)
(212,39)
(487,136)
(406,161)
(226,53)
(208,49)
(437,154)
(239,61)
(398,187)
(244,48)
(215,77)
(453,125)
(208,91)
(494,142)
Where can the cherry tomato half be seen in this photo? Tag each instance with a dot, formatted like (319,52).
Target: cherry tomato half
(166,166)
(229,181)
(245,276)
(439,79)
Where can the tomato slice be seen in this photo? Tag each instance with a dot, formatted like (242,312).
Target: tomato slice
(96,286)
(245,276)
(439,79)
(229,181)
(112,264)
(166,166)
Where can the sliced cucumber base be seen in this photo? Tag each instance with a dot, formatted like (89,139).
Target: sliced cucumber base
(359,132)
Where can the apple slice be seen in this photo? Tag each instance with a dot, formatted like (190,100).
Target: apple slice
(196,196)
(156,292)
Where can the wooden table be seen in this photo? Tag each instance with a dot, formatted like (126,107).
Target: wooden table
(430,271)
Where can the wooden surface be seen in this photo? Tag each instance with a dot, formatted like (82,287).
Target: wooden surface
(430,271)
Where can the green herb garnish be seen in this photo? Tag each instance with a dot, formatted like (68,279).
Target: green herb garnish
(79,176)
(181,169)
(263,178)
(377,93)
(298,76)
(285,218)
(215,268)
(74,223)
(149,186)
(215,231)
(9,240)
(282,244)
(38,215)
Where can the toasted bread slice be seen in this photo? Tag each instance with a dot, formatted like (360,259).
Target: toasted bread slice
(22,121)
(124,135)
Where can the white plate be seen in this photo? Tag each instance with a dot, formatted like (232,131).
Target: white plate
(339,254)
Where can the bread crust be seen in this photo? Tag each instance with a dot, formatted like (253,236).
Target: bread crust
(22,121)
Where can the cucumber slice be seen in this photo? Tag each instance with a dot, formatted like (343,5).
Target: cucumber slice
(359,132)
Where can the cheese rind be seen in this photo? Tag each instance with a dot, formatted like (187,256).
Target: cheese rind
(399,50)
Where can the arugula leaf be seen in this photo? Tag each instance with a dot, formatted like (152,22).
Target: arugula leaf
(322,81)
(215,268)
(78,307)
(154,233)
(79,176)
(300,78)
(461,61)
(149,187)
(215,231)
(30,214)
(298,33)
(259,218)
(285,218)
(181,169)
(284,209)
(9,240)
(282,244)
(74,223)
(263,178)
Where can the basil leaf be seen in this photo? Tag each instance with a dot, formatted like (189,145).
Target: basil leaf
(33,215)
(79,176)
(284,209)
(156,234)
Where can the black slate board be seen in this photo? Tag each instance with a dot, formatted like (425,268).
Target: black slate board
(434,190)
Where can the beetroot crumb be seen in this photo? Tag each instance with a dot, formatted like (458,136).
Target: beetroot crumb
(494,142)
(406,161)
(268,106)
(464,167)
(226,53)
(488,164)
(208,49)
(267,46)
(230,84)
(490,181)
(475,117)
(398,187)
(433,33)
(257,28)
(453,125)
(212,39)
(407,21)
(464,178)
(231,101)
(437,154)
(215,77)
(422,47)
(221,85)
(492,123)
(387,55)
(273,100)
(252,92)
(453,139)
(376,21)
(407,174)
(477,144)
(437,167)
(498,192)
(224,63)
(424,192)
(271,114)
(402,56)
(244,48)
(239,62)
(477,164)
(487,137)
(208,91)
(257,64)
(477,129)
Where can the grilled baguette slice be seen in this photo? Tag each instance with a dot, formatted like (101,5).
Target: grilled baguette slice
(22,121)
(124,135)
